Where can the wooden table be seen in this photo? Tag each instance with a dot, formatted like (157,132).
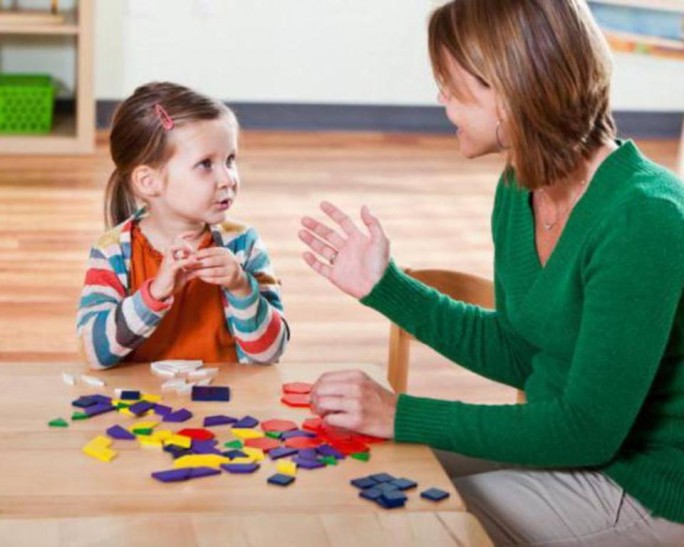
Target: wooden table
(53,494)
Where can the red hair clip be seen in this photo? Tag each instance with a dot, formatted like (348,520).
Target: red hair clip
(164,118)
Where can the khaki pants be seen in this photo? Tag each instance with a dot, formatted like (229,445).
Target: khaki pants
(520,506)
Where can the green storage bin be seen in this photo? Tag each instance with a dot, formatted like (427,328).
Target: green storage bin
(26,103)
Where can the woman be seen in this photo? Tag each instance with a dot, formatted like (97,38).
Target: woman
(589,270)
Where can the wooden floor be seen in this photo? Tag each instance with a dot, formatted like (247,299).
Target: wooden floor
(435,207)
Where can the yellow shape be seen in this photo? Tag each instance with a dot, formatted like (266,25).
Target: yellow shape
(287,467)
(245,433)
(200,460)
(150,398)
(102,454)
(143,425)
(100,442)
(255,453)
(149,442)
(179,440)
(127,412)
(162,435)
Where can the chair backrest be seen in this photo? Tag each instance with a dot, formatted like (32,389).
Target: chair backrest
(459,286)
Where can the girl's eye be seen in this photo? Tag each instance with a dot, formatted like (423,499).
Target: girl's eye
(205,164)
(230,160)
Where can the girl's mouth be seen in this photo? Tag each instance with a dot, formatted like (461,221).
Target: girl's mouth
(224,204)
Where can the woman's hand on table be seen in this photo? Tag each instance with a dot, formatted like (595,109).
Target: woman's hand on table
(350,399)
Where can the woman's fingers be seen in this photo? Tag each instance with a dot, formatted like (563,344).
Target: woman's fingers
(326,251)
(340,218)
(324,269)
(322,231)
(373,224)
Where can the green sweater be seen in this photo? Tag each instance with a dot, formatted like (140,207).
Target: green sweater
(595,338)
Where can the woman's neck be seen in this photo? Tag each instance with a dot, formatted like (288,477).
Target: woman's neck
(565,190)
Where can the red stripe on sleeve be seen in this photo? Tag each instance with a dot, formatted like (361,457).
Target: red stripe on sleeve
(264,342)
(105,278)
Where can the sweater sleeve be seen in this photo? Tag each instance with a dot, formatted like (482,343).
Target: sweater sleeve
(257,321)
(478,339)
(109,323)
(633,274)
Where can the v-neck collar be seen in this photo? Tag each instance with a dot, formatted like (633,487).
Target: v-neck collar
(582,213)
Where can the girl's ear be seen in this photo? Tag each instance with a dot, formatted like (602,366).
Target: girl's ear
(147,181)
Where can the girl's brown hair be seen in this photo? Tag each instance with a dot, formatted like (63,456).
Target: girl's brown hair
(549,65)
(138,136)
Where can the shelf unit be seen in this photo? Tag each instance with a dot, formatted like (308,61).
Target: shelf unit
(72,134)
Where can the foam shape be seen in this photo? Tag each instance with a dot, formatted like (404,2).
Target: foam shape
(246,422)
(286,467)
(434,494)
(239,468)
(297,387)
(181,415)
(92,381)
(200,460)
(118,432)
(280,480)
(246,433)
(68,379)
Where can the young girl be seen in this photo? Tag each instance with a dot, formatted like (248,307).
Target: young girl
(174,279)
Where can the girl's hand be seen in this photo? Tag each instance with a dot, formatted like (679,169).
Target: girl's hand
(350,399)
(175,268)
(218,266)
(354,262)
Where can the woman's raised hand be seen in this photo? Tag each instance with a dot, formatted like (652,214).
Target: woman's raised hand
(353,261)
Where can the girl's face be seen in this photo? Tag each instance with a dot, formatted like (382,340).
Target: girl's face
(201,178)
(472,107)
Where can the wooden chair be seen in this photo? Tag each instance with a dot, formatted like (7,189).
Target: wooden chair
(459,286)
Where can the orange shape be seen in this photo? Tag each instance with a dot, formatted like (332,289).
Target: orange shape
(278,425)
(297,387)
(264,443)
(296,399)
(303,442)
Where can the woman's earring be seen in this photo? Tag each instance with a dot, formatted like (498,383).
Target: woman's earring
(499,142)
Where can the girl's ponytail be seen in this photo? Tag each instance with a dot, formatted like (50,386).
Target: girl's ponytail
(119,201)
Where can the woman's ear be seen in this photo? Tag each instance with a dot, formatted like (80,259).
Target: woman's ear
(147,181)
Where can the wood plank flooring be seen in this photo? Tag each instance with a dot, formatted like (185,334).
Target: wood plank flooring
(434,205)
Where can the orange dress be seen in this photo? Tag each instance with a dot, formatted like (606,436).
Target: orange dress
(195,326)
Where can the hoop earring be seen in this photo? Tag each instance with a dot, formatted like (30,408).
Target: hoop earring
(499,142)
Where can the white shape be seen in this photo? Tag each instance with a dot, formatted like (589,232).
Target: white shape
(203,373)
(69,379)
(92,381)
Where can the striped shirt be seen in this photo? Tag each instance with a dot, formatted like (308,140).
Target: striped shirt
(112,320)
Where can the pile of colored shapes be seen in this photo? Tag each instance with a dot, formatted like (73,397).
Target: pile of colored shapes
(384,489)
(197,452)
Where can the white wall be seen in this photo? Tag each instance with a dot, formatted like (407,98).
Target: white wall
(305,51)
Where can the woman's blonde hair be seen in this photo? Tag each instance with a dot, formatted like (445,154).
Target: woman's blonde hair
(139,136)
(550,67)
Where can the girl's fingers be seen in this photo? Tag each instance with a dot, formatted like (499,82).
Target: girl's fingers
(322,231)
(348,227)
(214,251)
(317,245)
